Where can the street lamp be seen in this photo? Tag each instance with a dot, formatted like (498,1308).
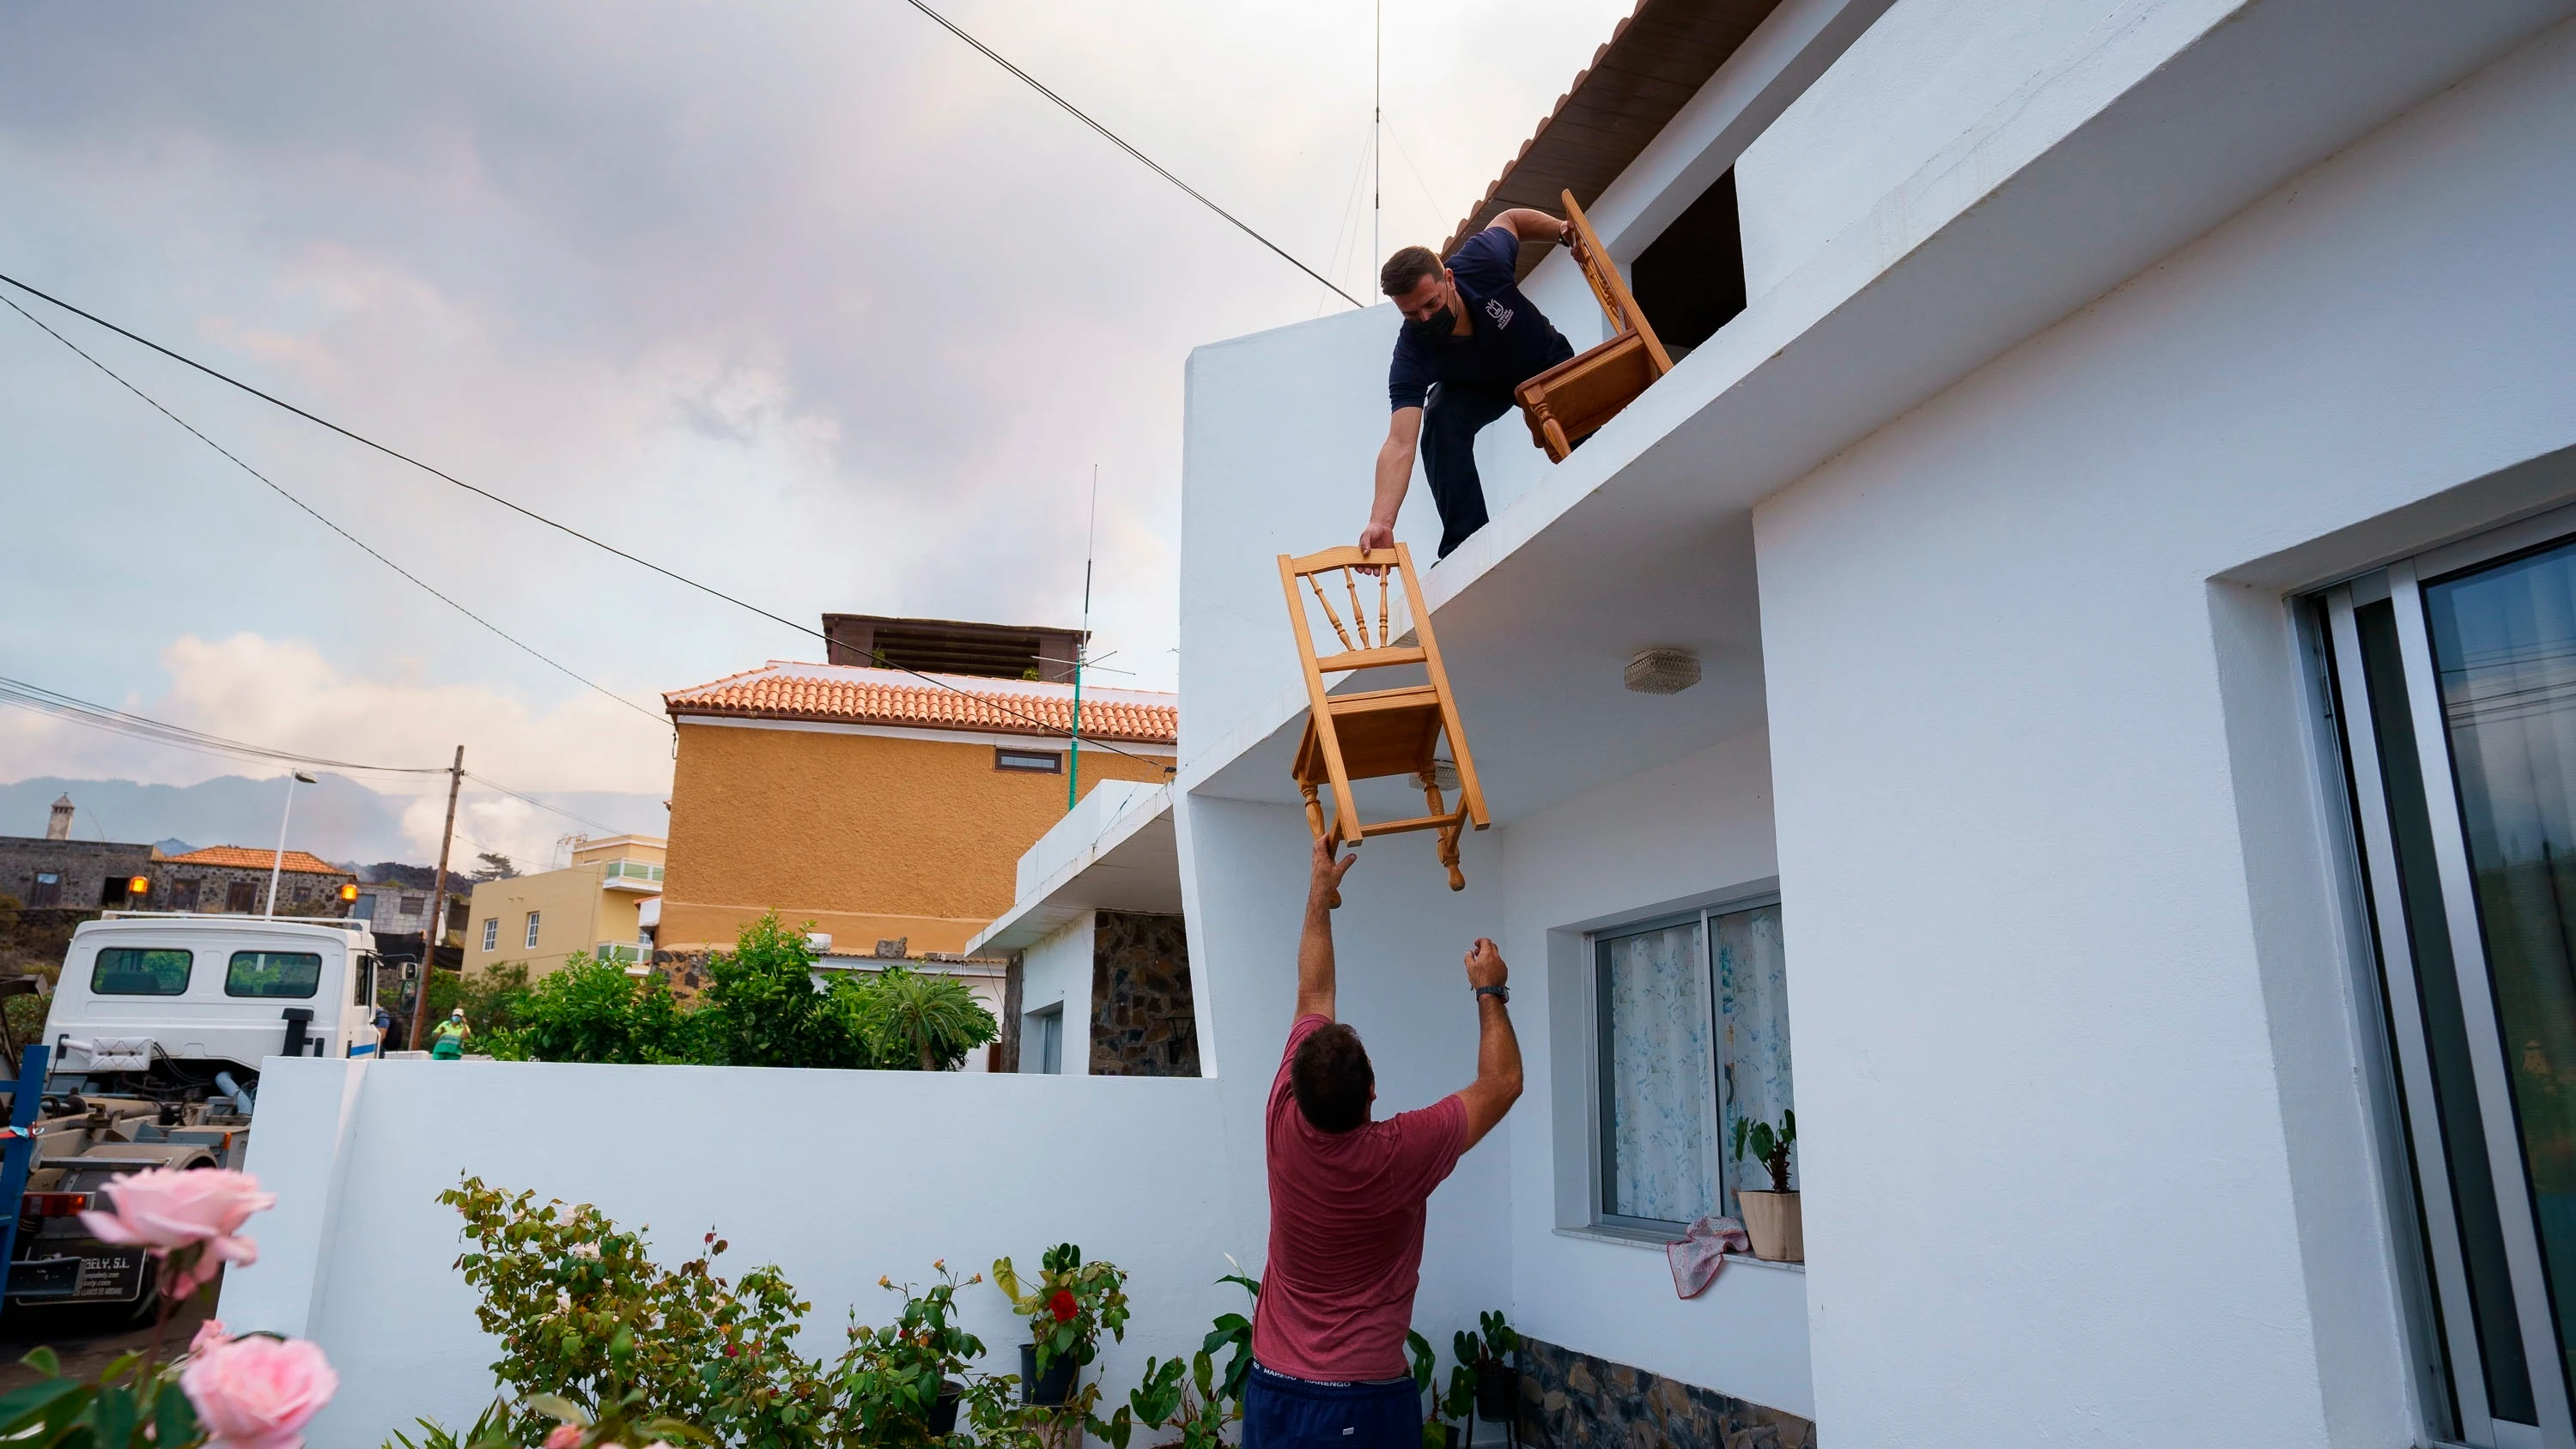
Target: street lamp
(277,863)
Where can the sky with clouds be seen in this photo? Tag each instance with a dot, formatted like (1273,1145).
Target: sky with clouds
(809,301)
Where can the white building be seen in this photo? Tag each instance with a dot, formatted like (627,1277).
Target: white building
(2120,531)
(2108,372)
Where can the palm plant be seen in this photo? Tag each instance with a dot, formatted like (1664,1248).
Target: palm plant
(935,1020)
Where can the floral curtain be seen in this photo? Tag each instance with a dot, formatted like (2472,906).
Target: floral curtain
(1753,1011)
(1660,1147)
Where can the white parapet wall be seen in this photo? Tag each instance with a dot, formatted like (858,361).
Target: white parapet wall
(838,1177)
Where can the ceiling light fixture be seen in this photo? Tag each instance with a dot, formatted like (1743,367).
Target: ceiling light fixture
(1662,671)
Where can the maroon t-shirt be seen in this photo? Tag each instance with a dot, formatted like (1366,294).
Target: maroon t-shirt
(1346,1211)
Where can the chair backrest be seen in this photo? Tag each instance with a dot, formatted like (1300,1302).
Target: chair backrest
(1368,636)
(1617,302)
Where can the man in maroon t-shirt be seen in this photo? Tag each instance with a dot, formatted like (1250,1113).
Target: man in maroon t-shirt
(1347,1204)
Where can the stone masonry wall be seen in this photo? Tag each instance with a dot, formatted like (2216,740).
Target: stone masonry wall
(1571,1400)
(1143,1023)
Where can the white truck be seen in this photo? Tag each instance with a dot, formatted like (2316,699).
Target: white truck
(158,1029)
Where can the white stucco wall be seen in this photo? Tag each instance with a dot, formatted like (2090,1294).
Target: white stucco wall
(820,1172)
(2084,1156)
(1057,972)
(1911,104)
(1683,834)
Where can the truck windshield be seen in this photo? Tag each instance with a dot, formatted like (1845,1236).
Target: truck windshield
(274,973)
(133,971)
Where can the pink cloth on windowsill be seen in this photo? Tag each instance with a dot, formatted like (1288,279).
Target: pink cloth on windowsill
(1701,1251)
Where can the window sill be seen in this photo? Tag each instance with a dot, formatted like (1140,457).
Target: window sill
(1630,1238)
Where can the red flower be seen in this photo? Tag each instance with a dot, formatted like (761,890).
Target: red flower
(1063,1306)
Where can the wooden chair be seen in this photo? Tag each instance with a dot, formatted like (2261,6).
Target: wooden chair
(1384,732)
(1570,401)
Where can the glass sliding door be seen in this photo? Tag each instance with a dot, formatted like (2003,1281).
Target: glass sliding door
(2454,685)
(2504,650)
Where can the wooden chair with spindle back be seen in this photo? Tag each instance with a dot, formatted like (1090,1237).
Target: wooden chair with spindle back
(1570,401)
(1380,733)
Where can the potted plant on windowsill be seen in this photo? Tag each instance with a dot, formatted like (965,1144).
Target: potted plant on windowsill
(1772,1218)
(1068,1307)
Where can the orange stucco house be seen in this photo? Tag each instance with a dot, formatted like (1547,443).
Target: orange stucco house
(879,803)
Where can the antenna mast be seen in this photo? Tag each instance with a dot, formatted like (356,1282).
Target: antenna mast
(1377,130)
(1082,644)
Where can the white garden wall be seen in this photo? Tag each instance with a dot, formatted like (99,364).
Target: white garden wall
(2084,1153)
(836,1176)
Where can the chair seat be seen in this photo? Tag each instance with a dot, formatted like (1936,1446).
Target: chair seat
(1585,391)
(1386,732)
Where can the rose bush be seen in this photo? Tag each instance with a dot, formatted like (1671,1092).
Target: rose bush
(257,1391)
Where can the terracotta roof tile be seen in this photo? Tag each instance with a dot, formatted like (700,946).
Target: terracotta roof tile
(243,855)
(847,695)
(1655,61)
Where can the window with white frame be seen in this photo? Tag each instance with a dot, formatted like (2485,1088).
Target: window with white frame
(532,930)
(1691,1036)
(491,933)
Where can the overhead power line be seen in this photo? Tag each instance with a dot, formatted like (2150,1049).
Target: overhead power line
(47,701)
(711,591)
(308,508)
(39,699)
(1114,139)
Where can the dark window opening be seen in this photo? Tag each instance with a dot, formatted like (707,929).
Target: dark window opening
(952,646)
(1690,281)
(112,891)
(1035,762)
(242,896)
(183,895)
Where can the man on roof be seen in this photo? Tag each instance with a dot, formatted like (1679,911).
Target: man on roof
(1469,337)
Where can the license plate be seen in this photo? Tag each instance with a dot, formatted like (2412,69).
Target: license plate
(112,1277)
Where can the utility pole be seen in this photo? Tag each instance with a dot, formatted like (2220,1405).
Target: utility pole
(435,927)
(1377,131)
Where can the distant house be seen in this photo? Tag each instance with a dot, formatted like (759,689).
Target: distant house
(234,878)
(55,872)
(883,805)
(590,905)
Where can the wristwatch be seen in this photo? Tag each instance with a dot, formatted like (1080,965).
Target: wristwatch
(1502,994)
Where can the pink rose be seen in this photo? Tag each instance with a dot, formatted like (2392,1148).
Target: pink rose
(166,1210)
(258,1393)
(565,1436)
(210,1334)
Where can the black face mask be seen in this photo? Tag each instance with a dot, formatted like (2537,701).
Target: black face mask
(1440,324)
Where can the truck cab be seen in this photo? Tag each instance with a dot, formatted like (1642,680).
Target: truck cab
(161,993)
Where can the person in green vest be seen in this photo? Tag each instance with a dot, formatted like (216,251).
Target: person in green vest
(447,1042)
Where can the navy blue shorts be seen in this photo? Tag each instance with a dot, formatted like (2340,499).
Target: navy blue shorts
(1284,1413)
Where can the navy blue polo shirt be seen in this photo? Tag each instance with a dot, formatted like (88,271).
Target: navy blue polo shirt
(1509,341)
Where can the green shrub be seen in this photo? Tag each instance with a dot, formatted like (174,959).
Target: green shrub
(762,1008)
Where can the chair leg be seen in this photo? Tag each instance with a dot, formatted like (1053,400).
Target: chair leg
(1448,833)
(1315,824)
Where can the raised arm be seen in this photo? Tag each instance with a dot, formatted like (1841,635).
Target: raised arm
(1394,474)
(1533,225)
(1315,947)
(1498,1052)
